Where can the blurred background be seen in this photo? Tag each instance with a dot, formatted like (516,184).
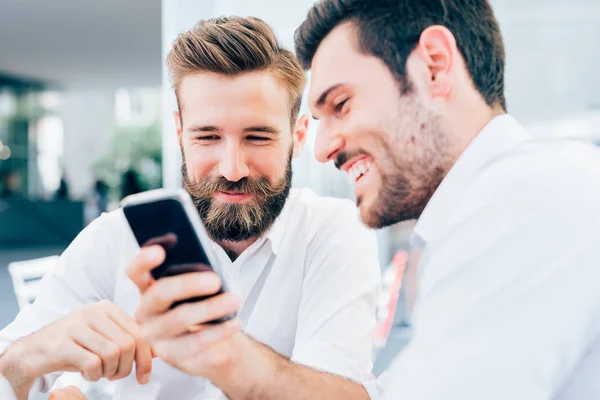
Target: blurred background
(85,113)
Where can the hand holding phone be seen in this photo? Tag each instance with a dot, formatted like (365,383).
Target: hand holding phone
(169,218)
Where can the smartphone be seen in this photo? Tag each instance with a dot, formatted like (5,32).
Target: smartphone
(169,218)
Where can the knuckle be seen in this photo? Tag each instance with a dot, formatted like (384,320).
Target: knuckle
(123,374)
(203,309)
(189,286)
(92,378)
(129,345)
(138,335)
(112,352)
(92,366)
(181,315)
(145,334)
(158,296)
(213,308)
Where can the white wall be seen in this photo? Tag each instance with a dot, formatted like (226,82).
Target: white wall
(551,56)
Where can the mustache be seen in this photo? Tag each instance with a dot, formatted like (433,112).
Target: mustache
(344,156)
(259,187)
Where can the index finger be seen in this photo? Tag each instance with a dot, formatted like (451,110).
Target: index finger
(143,351)
(145,261)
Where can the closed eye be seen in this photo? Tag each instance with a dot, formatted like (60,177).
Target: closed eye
(340,106)
(207,138)
(258,138)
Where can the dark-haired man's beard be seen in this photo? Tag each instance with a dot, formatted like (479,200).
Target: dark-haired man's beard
(411,171)
(238,222)
(411,166)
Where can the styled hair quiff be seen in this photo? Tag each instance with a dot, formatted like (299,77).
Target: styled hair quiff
(233,46)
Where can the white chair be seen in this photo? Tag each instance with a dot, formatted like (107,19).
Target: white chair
(26,277)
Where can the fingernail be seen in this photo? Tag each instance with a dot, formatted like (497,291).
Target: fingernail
(145,379)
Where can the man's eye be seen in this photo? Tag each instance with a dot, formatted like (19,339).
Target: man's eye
(258,138)
(207,138)
(339,106)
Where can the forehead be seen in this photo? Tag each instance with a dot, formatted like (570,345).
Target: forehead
(338,60)
(209,96)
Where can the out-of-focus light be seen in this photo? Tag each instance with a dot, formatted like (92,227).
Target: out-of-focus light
(1,145)
(7,103)
(5,153)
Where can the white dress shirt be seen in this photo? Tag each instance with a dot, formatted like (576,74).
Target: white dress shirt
(509,281)
(309,288)
(6,392)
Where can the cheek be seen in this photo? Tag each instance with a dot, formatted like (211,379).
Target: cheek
(268,163)
(199,163)
(365,118)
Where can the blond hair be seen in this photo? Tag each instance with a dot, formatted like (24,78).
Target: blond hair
(233,46)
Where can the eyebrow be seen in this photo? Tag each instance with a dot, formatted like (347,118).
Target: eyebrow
(214,128)
(263,129)
(203,128)
(323,97)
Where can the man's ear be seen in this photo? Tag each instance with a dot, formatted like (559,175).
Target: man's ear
(300,129)
(437,48)
(177,118)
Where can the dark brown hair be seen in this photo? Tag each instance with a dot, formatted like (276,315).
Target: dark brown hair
(390,30)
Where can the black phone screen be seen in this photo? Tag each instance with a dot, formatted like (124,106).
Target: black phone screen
(165,222)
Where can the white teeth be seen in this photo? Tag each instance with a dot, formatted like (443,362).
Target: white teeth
(358,170)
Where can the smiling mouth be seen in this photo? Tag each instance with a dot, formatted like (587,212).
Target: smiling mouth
(358,169)
(233,197)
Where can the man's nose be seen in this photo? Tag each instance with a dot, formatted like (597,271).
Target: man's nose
(232,165)
(328,143)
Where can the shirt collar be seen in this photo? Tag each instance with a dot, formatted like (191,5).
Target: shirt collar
(275,233)
(501,134)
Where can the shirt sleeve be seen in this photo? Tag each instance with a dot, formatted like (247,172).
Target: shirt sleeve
(85,273)
(509,298)
(337,311)
(5,389)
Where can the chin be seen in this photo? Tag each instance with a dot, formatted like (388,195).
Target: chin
(367,216)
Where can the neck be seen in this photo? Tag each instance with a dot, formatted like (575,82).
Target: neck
(234,249)
(470,122)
